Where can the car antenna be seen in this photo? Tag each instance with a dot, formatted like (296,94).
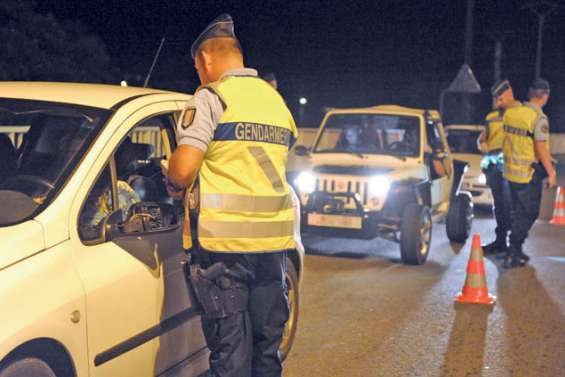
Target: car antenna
(155,58)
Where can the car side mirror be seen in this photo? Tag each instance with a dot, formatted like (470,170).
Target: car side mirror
(111,225)
(437,146)
(150,217)
(301,150)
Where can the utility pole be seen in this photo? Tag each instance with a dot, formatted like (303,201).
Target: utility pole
(469,32)
(497,58)
(542,9)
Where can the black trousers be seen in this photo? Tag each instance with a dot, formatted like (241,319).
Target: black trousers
(246,343)
(502,200)
(526,199)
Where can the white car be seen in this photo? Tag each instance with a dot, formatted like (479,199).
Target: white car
(462,139)
(91,263)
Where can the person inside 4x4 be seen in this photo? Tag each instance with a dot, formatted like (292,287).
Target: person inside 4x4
(350,139)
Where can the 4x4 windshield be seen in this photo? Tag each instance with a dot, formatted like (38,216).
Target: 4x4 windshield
(40,143)
(396,135)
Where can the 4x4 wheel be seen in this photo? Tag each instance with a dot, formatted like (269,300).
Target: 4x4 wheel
(291,279)
(415,234)
(459,217)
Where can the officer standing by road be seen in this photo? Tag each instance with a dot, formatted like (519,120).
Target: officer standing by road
(233,137)
(490,143)
(527,162)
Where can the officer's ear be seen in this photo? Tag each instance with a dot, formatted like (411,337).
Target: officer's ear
(207,58)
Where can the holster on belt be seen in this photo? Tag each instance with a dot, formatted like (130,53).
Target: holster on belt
(218,289)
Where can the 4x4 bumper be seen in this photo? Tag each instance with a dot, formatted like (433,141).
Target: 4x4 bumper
(327,213)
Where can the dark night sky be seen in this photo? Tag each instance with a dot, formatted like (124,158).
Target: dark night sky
(336,53)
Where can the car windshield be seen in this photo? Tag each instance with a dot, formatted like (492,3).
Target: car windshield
(40,143)
(396,135)
(463,141)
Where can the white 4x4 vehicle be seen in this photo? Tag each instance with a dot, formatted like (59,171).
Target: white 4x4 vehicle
(384,171)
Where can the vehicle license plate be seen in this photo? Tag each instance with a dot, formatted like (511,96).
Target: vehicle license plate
(335,221)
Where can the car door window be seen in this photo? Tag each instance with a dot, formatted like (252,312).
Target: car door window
(138,175)
(138,158)
(98,205)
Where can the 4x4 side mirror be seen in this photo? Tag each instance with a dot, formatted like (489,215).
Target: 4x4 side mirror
(301,150)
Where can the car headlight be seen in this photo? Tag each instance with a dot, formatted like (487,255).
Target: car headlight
(379,185)
(305,182)
(482,179)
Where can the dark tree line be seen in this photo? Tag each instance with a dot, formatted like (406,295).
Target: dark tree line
(36,47)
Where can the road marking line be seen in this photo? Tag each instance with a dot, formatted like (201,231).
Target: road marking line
(557,259)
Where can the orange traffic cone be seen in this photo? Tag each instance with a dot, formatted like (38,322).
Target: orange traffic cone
(475,290)
(559,210)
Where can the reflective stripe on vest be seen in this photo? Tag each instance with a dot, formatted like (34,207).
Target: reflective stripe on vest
(245,202)
(519,153)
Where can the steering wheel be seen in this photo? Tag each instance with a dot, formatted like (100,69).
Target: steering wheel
(32,178)
(398,145)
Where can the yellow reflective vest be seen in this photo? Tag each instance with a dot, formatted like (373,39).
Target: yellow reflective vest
(519,150)
(245,203)
(494,131)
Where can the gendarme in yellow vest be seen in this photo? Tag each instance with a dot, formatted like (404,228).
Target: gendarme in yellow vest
(519,152)
(245,204)
(494,131)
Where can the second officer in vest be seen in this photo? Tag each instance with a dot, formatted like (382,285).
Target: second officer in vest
(527,162)
(233,137)
(490,143)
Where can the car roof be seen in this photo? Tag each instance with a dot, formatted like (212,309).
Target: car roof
(94,95)
(394,109)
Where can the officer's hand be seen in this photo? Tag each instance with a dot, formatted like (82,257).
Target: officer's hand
(173,191)
(551,180)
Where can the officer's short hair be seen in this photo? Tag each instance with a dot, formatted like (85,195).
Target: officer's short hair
(222,46)
(538,88)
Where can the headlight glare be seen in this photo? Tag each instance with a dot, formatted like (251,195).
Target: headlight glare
(379,185)
(305,182)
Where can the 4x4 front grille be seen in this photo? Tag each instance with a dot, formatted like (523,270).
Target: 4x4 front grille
(332,185)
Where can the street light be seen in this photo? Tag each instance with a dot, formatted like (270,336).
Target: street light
(542,14)
(302,109)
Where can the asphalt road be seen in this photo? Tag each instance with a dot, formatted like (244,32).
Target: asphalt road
(364,314)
